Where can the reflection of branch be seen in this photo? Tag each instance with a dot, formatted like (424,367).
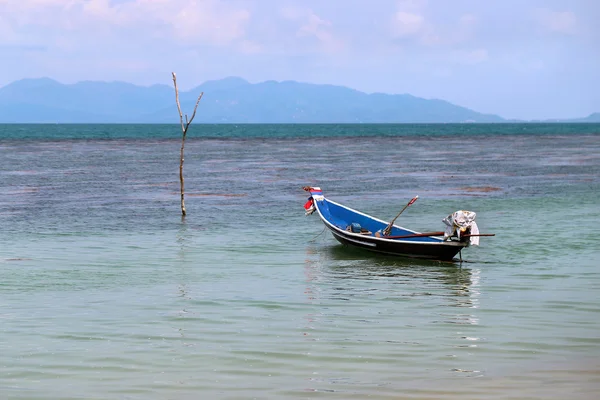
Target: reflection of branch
(184,129)
(183,291)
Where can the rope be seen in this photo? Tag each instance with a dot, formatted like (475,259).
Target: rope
(315,238)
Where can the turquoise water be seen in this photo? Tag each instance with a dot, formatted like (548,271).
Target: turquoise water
(285,131)
(107,294)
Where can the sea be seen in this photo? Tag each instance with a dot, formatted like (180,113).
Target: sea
(107,292)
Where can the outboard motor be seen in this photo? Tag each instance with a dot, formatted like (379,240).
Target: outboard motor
(462,223)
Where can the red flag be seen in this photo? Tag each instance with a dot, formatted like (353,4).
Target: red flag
(308,204)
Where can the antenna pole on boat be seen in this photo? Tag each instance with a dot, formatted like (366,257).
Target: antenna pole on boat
(388,228)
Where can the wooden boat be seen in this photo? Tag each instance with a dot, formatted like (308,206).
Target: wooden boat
(354,228)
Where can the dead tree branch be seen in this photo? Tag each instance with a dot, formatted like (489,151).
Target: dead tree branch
(184,129)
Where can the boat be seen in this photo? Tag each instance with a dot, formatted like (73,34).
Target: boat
(354,228)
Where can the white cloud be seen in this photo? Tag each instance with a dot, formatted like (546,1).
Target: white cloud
(321,30)
(409,20)
(33,4)
(412,21)
(196,21)
(211,23)
(411,5)
(312,25)
(100,9)
(564,22)
(408,24)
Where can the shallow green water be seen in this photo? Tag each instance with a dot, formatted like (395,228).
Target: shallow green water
(106,293)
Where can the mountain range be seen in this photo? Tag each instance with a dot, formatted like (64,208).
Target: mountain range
(228,100)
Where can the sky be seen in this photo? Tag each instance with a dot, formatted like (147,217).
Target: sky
(525,59)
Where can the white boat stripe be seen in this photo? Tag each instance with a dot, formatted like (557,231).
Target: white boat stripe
(353,240)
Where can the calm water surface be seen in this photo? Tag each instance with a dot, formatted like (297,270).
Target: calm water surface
(106,294)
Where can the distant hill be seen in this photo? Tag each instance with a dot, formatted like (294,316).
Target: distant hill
(229,100)
(595,117)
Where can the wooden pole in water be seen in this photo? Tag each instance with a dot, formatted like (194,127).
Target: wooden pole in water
(184,129)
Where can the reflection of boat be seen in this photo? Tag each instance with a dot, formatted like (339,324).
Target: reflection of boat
(351,263)
(354,228)
(337,273)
